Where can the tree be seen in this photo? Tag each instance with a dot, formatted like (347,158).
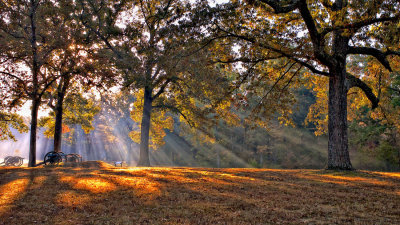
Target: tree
(79,69)
(30,31)
(155,52)
(320,36)
(77,110)
(160,122)
(375,137)
(114,124)
(79,113)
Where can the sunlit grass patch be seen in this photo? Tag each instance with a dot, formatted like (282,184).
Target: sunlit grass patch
(10,192)
(101,194)
(392,175)
(94,185)
(141,186)
(72,199)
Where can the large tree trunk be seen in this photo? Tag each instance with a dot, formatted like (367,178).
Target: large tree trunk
(32,142)
(144,159)
(338,154)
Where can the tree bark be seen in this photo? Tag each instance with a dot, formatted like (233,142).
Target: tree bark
(35,95)
(62,88)
(218,157)
(32,142)
(338,153)
(144,158)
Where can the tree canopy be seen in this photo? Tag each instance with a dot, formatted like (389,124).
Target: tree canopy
(202,65)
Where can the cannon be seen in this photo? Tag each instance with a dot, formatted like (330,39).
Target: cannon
(54,158)
(13,161)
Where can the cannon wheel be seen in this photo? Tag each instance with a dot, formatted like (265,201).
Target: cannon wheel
(78,156)
(6,160)
(72,158)
(53,158)
(20,161)
(9,161)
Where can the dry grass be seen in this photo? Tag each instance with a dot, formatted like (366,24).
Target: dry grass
(97,193)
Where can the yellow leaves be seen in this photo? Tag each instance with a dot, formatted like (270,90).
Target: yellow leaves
(187,105)
(318,112)
(159,122)
(8,120)
(224,110)
(285,119)
(375,76)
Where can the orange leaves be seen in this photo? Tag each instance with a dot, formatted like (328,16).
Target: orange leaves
(65,129)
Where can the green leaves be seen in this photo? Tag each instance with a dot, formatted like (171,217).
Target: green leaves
(77,110)
(8,121)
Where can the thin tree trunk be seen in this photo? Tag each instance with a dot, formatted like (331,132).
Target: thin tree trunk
(62,88)
(172,158)
(338,153)
(244,137)
(88,146)
(398,157)
(144,158)
(218,157)
(35,97)
(32,142)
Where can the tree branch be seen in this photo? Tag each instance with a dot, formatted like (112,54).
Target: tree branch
(289,56)
(357,82)
(245,60)
(282,8)
(175,109)
(357,25)
(379,55)
(162,88)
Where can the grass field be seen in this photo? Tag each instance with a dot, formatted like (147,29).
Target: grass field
(97,193)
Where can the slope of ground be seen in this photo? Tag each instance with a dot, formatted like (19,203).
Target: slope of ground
(104,194)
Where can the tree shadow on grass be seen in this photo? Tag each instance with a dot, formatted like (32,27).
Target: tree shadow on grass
(195,196)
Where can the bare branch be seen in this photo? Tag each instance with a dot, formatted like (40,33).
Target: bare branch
(13,76)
